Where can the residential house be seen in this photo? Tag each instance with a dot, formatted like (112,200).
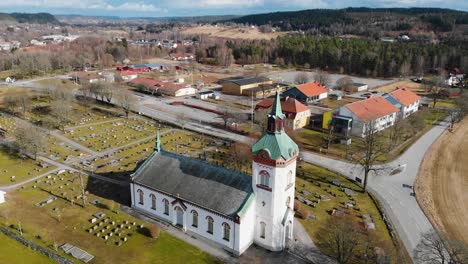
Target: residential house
(86,77)
(297,115)
(163,87)
(409,101)
(229,208)
(376,111)
(237,85)
(308,92)
(205,95)
(128,75)
(181,56)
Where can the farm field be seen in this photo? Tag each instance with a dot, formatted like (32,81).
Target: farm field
(65,220)
(442,183)
(13,252)
(236,33)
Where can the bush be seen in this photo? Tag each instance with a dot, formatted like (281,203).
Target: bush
(301,212)
(154,231)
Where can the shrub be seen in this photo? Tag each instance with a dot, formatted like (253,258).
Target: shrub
(154,231)
(301,211)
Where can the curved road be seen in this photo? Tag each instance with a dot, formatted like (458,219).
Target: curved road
(402,208)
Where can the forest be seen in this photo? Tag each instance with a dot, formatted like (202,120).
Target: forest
(356,56)
(36,18)
(322,19)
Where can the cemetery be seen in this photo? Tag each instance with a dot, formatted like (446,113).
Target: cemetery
(14,169)
(61,151)
(119,132)
(7,124)
(322,194)
(97,230)
(121,162)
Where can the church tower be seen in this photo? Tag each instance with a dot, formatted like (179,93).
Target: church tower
(273,181)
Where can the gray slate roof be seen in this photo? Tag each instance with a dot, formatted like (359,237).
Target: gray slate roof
(210,186)
(240,80)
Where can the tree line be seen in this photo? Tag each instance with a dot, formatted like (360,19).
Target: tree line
(349,56)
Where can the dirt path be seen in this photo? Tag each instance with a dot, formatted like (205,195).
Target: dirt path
(442,184)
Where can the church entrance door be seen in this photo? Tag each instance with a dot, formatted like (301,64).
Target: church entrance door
(180,217)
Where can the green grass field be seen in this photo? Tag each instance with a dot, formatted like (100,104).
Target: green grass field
(66,221)
(13,252)
(22,169)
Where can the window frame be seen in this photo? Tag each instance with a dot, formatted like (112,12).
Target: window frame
(141,199)
(226,232)
(166,206)
(210,225)
(153,201)
(194,218)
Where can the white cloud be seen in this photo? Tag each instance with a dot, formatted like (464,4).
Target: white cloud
(82,4)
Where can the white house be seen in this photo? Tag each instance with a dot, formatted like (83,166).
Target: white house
(408,100)
(375,110)
(230,208)
(2,197)
(205,95)
(128,75)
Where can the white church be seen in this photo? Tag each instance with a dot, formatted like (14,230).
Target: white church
(228,207)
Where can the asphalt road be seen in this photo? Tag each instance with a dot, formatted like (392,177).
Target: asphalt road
(402,208)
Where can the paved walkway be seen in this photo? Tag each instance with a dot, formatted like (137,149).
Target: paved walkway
(402,208)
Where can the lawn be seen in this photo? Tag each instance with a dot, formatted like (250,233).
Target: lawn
(317,181)
(8,124)
(22,169)
(60,151)
(66,221)
(13,252)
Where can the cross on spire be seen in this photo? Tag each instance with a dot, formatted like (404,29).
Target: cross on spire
(276,117)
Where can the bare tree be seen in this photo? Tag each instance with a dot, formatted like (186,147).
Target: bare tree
(62,111)
(340,239)
(182,119)
(239,155)
(322,77)
(301,78)
(30,140)
(225,114)
(125,99)
(370,151)
(83,190)
(344,84)
(432,249)
(11,103)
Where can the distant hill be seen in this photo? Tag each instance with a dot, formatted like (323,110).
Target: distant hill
(440,19)
(36,18)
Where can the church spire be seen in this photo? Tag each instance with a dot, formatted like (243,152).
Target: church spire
(157,147)
(276,117)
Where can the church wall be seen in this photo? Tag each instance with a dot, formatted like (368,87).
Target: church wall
(201,229)
(246,229)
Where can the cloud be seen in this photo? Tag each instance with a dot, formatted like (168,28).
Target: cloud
(83,5)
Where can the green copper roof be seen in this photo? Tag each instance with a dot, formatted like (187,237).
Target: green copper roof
(158,142)
(276,110)
(277,145)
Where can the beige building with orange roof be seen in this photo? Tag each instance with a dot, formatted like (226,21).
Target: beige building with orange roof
(297,114)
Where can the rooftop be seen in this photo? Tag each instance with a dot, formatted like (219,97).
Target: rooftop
(288,104)
(312,89)
(213,187)
(240,80)
(405,96)
(372,108)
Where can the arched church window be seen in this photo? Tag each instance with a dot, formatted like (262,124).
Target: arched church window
(166,206)
(210,224)
(264,178)
(227,231)
(262,229)
(290,178)
(194,218)
(141,198)
(153,201)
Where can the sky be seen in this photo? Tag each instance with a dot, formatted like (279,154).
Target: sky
(163,8)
